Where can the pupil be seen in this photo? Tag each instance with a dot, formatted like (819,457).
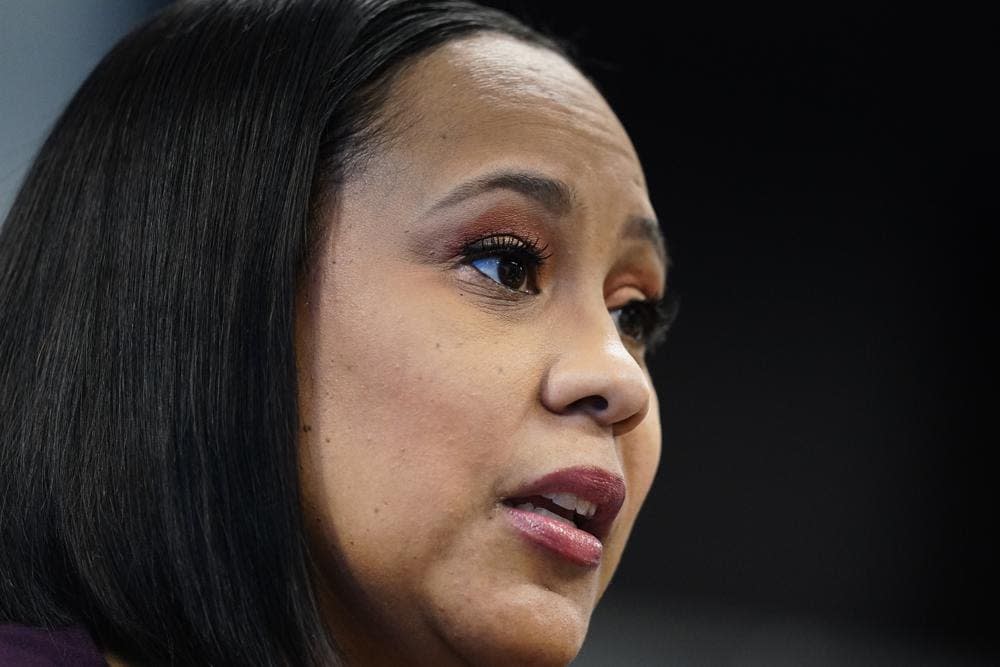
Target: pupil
(511,273)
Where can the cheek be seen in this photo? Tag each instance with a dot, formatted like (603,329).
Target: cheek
(406,409)
(640,455)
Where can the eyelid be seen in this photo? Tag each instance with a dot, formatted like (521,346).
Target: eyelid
(633,290)
(506,243)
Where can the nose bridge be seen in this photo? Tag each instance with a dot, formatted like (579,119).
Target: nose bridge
(594,373)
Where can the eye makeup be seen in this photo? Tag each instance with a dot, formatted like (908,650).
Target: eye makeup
(451,235)
(506,244)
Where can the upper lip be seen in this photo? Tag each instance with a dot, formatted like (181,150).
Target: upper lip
(596,485)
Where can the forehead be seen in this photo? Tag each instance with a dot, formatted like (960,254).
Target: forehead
(490,98)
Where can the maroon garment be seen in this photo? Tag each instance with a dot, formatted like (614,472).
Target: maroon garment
(24,646)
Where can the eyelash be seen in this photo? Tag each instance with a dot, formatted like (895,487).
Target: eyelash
(529,252)
(655,316)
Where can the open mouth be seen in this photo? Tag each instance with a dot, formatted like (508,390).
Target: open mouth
(565,507)
(569,512)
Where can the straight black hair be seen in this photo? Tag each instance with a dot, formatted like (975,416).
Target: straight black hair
(148,270)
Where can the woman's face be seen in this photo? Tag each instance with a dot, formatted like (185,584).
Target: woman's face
(466,371)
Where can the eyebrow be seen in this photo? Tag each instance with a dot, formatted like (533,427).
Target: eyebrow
(647,229)
(555,196)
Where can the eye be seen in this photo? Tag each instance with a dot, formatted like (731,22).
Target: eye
(646,322)
(509,261)
(508,271)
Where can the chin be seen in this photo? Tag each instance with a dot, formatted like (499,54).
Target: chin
(525,625)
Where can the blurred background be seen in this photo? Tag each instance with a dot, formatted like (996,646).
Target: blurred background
(827,182)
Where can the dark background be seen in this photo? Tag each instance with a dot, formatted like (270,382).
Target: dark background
(826,181)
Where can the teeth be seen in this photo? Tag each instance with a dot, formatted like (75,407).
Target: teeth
(566,501)
(571,502)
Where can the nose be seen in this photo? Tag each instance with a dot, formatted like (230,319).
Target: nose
(594,374)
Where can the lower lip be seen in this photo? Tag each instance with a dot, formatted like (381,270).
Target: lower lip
(569,542)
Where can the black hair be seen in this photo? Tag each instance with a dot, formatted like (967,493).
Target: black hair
(148,270)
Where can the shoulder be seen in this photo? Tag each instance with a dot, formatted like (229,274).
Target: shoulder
(24,646)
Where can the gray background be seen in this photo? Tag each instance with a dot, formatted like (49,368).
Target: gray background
(47,48)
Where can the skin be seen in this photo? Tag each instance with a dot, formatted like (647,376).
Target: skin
(429,392)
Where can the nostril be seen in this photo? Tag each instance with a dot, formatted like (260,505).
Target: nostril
(597,403)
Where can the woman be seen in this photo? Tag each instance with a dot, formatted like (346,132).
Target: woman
(323,341)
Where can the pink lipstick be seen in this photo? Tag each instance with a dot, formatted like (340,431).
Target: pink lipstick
(568,512)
